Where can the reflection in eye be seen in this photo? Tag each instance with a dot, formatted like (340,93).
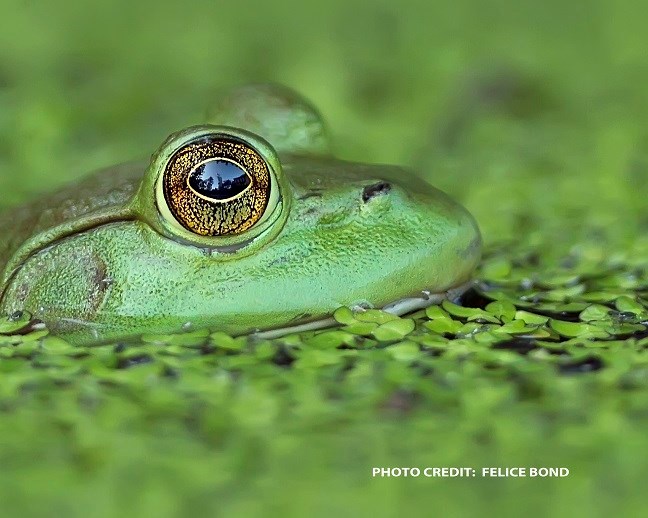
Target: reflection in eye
(217,186)
(219,179)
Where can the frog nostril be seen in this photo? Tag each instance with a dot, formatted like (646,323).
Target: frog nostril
(375,189)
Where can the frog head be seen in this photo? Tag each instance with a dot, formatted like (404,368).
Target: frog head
(245,223)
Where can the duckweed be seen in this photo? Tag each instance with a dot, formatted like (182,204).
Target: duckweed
(532,117)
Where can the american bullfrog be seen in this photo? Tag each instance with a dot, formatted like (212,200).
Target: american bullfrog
(242,224)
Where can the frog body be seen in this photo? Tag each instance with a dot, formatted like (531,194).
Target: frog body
(123,253)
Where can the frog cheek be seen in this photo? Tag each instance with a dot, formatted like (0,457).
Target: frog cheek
(65,291)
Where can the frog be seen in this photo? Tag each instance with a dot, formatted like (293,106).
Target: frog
(245,223)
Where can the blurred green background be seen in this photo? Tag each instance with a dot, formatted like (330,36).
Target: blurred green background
(477,95)
(531,113)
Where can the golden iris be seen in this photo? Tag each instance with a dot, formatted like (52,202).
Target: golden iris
(216,186)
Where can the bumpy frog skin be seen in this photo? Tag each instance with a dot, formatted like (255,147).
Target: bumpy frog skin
(106,258)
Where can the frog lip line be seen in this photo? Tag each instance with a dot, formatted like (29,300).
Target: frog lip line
(399,307)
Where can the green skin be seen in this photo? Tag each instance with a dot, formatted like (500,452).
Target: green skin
(99,260)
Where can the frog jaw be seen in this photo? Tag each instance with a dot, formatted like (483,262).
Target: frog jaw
(398,308)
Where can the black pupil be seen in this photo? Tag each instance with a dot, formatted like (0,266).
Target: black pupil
(219,179)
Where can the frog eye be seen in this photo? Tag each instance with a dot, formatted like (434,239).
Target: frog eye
(216,186)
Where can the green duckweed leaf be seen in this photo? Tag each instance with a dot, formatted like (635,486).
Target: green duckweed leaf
(375,316)
(435,311)
(530,318)
(344,315)
(405,351)
(394,329)
(444,326)
(226,342)
(360,328)
(628,305)
(577,329)
(501,309)
(330,340)
(595,312)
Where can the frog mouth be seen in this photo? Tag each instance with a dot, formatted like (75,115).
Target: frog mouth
(398,307)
